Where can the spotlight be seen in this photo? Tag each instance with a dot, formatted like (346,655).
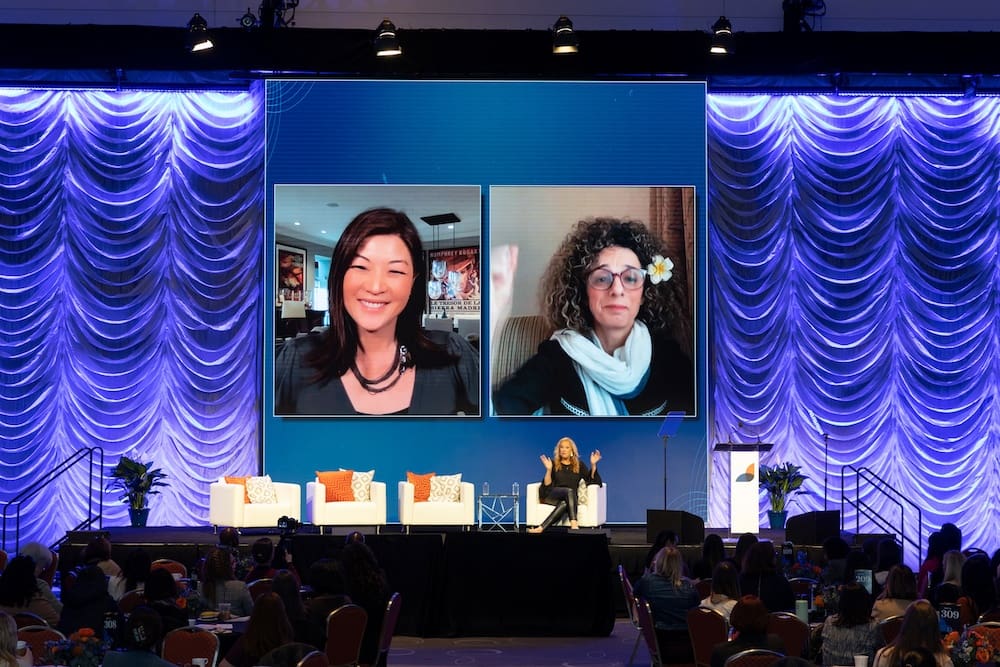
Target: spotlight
(795,13)
(564,41)
(198,38)
(248,21)
(386,42)
(722,42)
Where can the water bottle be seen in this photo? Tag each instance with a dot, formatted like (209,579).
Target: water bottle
(486,488)
(515,489)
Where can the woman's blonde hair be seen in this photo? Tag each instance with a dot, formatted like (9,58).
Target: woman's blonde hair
(8,640)
(574,464)
(669,565)
(952,564)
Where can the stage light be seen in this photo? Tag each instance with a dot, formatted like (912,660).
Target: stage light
(198,38)
(248,21)
(722,41)
(386,42)
(564,40)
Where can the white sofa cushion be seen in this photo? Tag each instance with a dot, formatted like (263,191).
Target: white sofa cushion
(445,488)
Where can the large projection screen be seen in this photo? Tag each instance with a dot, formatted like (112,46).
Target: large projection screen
(625,136)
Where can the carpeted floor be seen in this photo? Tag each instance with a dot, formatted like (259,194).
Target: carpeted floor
(611,651)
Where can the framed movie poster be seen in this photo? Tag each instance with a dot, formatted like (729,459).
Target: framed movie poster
(290,270)
(454,285)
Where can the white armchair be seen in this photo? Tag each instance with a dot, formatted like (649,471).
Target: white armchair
(437,513)
(345,512)
(591,514)
(226,506)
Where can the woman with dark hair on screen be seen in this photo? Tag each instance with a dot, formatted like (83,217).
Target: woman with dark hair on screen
(561,483)
(375,358)
(607,294)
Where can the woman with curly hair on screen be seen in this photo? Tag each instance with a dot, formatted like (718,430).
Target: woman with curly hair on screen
(607,293)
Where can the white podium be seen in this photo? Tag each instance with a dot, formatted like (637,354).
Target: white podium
(744,486)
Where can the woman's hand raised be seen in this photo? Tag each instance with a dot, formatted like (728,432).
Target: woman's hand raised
(546,461)
(595,456)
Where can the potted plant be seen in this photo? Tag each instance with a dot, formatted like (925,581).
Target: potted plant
(136,481)
(781,482)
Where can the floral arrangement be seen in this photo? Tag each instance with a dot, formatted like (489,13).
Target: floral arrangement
(828,599)
(80,649)
(660,270)
(191,602)
(974,646)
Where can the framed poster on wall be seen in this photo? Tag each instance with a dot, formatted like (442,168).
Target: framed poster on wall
(454,286)
(290,273)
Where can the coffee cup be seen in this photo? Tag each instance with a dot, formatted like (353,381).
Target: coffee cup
(199,662)
(861,661)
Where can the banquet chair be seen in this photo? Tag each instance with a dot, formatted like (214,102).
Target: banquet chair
(182,645)
(130,600)
(389,620)
(178,569)
(437,513)
(753,657)
(292,653)
(226,506)
(990,616)
(345,629)
(314,659)
(345,512)
(259,587)
(648,630)
(707,627)
(590,514)
(794,632)
(889,628)
(24,619)
(517,342)
(36,636)
(630,607)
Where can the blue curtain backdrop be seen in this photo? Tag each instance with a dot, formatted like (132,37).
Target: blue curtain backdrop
(130,272)
(853,275)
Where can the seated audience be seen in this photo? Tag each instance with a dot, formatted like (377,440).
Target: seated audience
(919,631)
(713,552)
(19,591)
(950,589)
(670,596)
(919,657)
(368,587)
(952,536)
(229,539)
(41,556)
(851,631)
(161,595)
(286,586)
(86,602)
(835,551)
(725,589)
(761,577)
(977,582)
(221,585)
(133,576)
(267,629)
(327,582)
(8,643)
(143,633)
(900,590)
(931,564)
(98,550)
(268,559)
(664,538)
(749,624)
(888,554)
(743,544)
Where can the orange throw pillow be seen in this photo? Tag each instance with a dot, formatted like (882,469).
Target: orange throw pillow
(338,485)
(242,481)
(421,486)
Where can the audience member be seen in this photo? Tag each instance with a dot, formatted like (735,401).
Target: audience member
(931,564)
(161,594)
(850,631)
(354,536)
(267,629)
(743,544)
(670,596)
(41,556)
(725,589)
(229,539)
(664,538)
(900,590)
(8,643)
(713,552)
(221,585)
(262,553)
(98,551)
(87,600)
(857,560)
(978,582)
(19,591)
(835,551)
(952,536)
(888,554)
(950,589)
(919,657)
(286,586)
(919,631)
(760,577)
(133,576)
(749,624)
(327,582)
(368,587)
(143,634)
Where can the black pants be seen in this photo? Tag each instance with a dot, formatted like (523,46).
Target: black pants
(565,502)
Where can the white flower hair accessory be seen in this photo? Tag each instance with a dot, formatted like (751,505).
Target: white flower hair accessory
(660,270)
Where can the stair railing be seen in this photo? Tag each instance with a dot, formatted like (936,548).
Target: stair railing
(885,491)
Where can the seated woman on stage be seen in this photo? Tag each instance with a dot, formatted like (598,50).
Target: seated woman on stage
(670,595)
(561,483)
(375,358)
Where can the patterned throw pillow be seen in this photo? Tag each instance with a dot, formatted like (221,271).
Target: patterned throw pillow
(446,488)
(421,486)
(361,483)
(242,481)
(261,490)
(338,485)
(581,494)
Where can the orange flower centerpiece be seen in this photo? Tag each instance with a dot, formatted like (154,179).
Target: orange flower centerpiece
(80,649)
(976,646)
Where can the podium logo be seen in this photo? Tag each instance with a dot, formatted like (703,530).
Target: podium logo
(747,476)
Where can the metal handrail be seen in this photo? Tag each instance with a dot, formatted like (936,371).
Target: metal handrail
(95,469)
(891,495)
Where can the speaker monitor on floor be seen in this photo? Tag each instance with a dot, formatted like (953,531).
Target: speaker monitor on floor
(690,528)
(812,527)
